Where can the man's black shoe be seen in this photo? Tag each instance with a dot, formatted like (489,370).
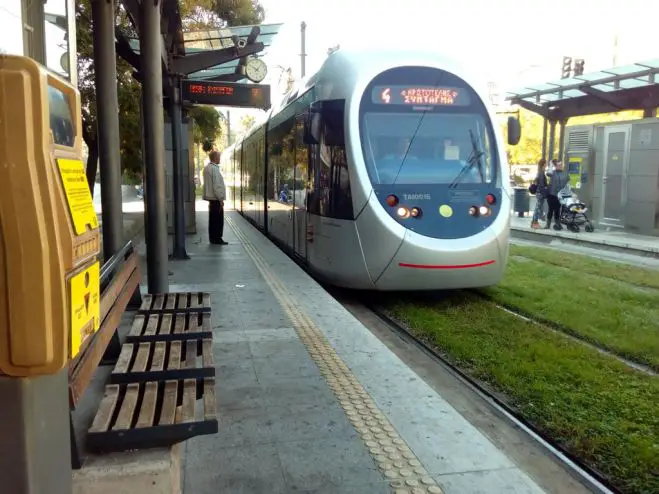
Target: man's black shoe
(221,242)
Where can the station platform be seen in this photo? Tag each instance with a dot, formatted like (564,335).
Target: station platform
(309,400)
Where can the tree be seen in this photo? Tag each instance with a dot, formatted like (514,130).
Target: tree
(195,14)
(206,125)
(529,149)
(246,123)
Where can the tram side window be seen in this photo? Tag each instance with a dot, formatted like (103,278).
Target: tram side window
(335,197)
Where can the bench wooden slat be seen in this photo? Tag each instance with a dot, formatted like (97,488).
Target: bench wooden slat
(106,409)
(158,362)
(210,404)
(147,300)
(158,301)
(182,300)
(174,356)
(207,353)
(189,398)
(148,409)
(165,324)
(190,354)
(123,363)
(136,327)
(125,418)
(142,358)
(176,301)
(206,322)
(169,403)
(179,323)
(151,326)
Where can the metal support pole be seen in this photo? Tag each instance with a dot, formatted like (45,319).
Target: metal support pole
(179,206)
(650,113)
(108,126)
(544,138)
(303,48)
(154,146)
(561,138)
(552,139)
(35,450)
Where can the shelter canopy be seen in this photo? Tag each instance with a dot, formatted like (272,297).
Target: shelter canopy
(627,87)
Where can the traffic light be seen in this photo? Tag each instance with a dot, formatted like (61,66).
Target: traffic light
(578,66)
(567,67)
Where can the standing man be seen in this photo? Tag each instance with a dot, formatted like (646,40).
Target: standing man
(215,194)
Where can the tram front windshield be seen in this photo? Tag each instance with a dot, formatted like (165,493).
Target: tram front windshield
(426,133)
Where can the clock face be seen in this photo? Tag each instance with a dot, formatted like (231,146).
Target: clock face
(256,70)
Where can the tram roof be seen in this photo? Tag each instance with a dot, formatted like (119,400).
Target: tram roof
(626,87)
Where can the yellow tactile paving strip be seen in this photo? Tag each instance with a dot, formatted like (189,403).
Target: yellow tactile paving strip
(398,464)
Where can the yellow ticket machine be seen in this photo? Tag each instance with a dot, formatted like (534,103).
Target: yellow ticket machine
(49,231)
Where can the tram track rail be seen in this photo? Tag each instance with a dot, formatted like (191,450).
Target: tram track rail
(583,473)
(564,331)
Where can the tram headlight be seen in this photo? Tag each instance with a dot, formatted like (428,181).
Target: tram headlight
(403,212)
(415,212)
(483,210)
(473,211)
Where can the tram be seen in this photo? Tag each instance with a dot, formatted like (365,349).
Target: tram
(382,171)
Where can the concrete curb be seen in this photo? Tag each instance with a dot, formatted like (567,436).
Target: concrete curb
(583,240)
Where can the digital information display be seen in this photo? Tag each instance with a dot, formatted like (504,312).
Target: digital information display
(420,95)
(226,94)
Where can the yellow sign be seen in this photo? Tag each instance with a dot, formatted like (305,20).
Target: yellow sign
(78,197)
(446,211)
(575,160)
(85,297)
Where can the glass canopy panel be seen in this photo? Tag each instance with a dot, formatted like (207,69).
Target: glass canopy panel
(573,93)
(607,88)
(624,69)
(654,64)
(632,83)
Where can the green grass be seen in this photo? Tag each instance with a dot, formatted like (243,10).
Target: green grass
(584,264)
(593,304)
(594,406)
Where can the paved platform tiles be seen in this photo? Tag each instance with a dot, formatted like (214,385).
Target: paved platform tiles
(309,400)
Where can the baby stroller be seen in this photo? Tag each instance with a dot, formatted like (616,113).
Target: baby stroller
(573,212)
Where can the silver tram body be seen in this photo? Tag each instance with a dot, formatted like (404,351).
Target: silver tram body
(319,175)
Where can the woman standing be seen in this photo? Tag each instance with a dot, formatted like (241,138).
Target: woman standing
(540,194)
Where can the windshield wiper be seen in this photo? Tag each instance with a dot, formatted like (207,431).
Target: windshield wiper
(474,159)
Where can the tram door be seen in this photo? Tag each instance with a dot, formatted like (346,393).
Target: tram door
(301,178)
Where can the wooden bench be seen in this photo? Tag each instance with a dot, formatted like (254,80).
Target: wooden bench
(158,377)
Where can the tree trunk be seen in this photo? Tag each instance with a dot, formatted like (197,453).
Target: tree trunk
(92,159)
(92,165)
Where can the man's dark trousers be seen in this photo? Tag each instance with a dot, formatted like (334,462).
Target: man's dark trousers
(215,222)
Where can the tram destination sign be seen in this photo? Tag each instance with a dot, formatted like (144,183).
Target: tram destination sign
(226,94)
